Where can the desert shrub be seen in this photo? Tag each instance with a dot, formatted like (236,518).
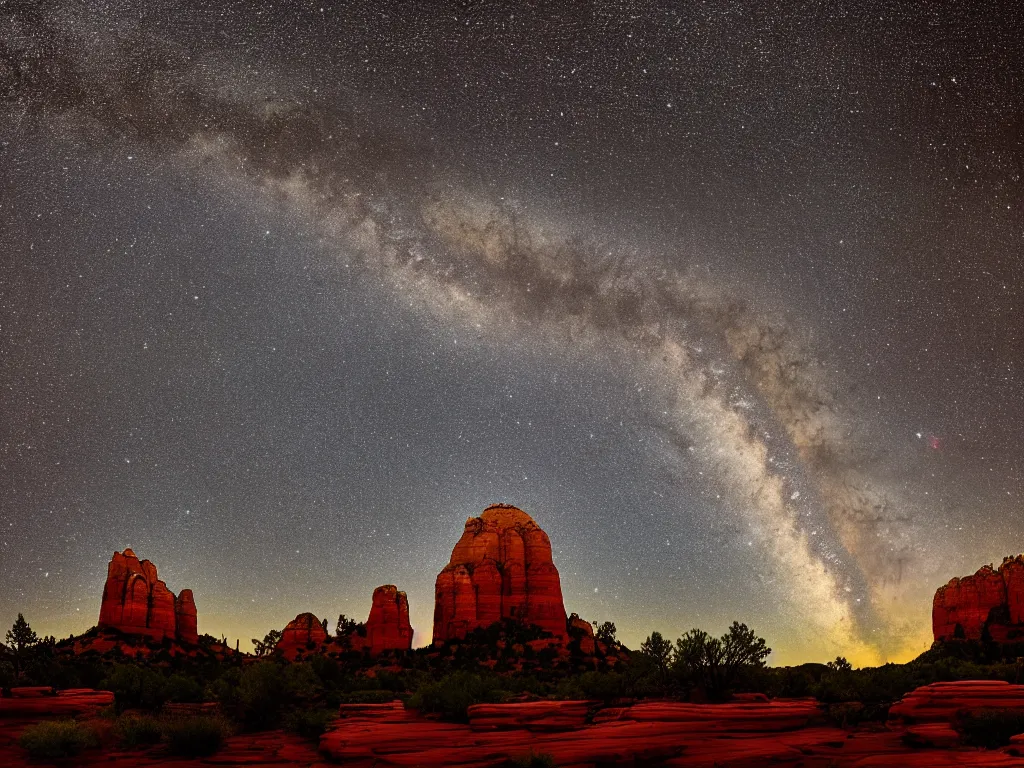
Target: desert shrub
(602,686)
(227,688)
(991,728)
(310,723)
(195,736)
(7,678)
(262,693)
(182,689)
(453,694)
(135,730)
(57,738)
(364,697)
(715,664)
(302,684)
(135,687)
(533,760)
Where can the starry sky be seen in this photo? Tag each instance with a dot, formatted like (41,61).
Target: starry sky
(727,295)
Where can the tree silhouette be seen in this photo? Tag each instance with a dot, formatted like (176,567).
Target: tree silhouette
(266,646)
(714,663)
(19,638)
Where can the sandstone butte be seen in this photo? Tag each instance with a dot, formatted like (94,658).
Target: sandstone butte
(137,602)
(991,599)
(386,629)
(501,568)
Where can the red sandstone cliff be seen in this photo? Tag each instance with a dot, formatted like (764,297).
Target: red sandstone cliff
(501,568)
(136,601)
(303,633)
(388,627)
(991,599)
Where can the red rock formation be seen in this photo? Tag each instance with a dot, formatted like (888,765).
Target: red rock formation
(991,599)
(941,702)
(136,601)
(388,628)
(501,568)
(304,633)
(185,614)
(585,631)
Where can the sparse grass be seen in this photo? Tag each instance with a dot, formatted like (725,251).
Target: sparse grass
(57,738)
(533,760)
(195,736)
(135,730)
(310,723)
(991,728)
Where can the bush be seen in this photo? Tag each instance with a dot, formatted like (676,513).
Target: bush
(57,738)
(310,723)
(134,730)
(533,760)
(182,689)
(136,687)
(364,697)
(263,693)
(602,686)
(195,736)
(991,728)
(453,694)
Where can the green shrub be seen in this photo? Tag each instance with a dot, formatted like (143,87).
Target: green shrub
(134,730)
(263,694)
(310,723)
(182,689)
(57,738)
(195,736)
(602,686)
(453,694)
(533,760)
(991,728)
(364,697)
(136,687)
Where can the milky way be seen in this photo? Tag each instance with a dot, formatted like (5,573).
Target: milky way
(753,407)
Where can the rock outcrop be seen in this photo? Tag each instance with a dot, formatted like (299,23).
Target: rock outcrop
(501,568)
(988,604)
(584,631)
(137,601)
(945,702)
(388,627)
(304,633)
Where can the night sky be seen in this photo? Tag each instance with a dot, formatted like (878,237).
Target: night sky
(728,296)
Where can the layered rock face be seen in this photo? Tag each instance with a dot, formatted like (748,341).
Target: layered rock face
(136,601)
(501,568)
(388,627)
(991,599)
(585,632)
(303,633)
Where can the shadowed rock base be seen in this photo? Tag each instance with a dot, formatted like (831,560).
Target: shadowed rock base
(735,735)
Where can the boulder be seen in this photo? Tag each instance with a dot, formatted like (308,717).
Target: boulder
(136,601)
(501,568)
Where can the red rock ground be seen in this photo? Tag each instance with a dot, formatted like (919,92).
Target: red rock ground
(750,732)
(735,735)
(271,749)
